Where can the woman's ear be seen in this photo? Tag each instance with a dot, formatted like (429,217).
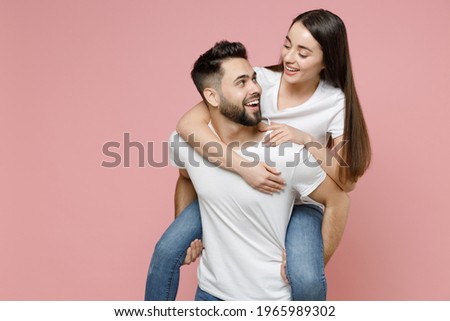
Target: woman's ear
(211,96)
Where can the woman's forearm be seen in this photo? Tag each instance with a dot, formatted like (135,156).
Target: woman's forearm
(330,161)
(194,129)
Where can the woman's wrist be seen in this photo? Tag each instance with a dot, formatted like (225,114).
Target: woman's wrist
(300,137)
(306,140)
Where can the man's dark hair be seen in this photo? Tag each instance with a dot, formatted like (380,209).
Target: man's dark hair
(207,70)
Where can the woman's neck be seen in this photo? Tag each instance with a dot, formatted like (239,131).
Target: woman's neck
(292,95)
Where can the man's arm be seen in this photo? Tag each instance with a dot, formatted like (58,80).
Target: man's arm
(337,204)
(184,192)
(184,195)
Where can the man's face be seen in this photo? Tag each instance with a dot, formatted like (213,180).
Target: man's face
(240,92)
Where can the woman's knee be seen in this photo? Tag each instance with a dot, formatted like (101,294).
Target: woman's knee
(166,248)
(310,286)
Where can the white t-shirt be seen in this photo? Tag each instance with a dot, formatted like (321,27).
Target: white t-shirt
(243,229)
(321,116)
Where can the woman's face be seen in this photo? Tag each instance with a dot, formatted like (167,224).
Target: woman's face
(302,56)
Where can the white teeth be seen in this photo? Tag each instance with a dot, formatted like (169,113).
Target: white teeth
(255,102)
(291,69)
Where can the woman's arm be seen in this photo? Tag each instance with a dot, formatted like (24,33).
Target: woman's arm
(330,159)
(194,129)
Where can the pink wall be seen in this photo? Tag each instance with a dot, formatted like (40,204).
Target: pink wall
(77,74)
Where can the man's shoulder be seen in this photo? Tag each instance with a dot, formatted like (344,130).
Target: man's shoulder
(176,140)
(174,136)
(177,150)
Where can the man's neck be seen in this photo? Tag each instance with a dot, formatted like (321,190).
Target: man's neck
(230,131)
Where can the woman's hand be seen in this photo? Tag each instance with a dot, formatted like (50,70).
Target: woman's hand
(282,133)
(262,177)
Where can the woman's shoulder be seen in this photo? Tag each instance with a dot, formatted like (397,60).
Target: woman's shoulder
(331,91)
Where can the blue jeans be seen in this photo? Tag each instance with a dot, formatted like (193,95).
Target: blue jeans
(305,267)
(164,271)
(201,295)
(304,252)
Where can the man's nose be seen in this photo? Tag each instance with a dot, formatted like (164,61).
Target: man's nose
(256,88)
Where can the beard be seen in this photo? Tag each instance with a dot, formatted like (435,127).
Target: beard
(239,114)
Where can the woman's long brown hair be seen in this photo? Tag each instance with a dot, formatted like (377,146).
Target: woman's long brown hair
(329,31)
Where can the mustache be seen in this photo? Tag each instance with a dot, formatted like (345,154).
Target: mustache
(252,97)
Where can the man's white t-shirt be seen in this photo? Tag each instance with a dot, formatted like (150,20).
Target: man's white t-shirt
(244,230)
(321,116)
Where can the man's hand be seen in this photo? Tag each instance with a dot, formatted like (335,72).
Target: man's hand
(283,268)
(193,252)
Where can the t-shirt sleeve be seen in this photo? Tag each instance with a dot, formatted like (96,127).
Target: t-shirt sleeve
(308,175)
(176,147)
(336,126)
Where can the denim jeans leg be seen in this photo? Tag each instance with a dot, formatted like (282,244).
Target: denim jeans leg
(304,252)
(164,271)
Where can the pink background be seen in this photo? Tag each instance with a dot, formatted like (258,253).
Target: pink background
(77,74)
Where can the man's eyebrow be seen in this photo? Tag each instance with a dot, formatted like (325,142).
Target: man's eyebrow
(299,46)
(245,76)
(242,77)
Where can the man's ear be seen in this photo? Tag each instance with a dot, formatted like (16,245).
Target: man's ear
(211,96)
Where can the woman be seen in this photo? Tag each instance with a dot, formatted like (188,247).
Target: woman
(311,95)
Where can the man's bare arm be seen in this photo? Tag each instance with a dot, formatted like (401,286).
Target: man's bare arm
(184,192)
(184,195)
(337,204)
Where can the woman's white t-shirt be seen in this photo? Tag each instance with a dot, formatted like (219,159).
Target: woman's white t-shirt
(321,116)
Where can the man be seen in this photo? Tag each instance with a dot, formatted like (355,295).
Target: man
(243,229)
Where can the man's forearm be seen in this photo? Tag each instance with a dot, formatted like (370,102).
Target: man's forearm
(184,194)
(333,226)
